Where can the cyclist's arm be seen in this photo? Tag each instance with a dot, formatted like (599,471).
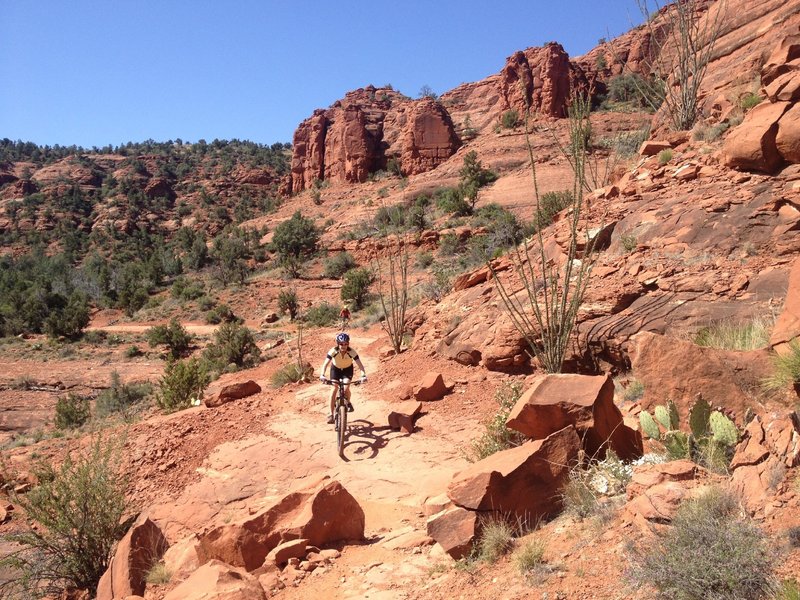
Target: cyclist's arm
(361,366)
(325,366)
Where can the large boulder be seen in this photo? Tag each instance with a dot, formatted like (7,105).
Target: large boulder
(454,529)
(583,401)
(137,552)
(230,392)
(322,513)
(751,146)
(431,387)
(525,481)
(217,581)
(782,60)
(678,370)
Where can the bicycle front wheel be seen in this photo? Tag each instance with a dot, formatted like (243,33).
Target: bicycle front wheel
(341,429)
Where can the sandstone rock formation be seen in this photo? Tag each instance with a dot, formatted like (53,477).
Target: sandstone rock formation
(360,133)
(584,402)
(539,79)
(219,581)
(322,513)
(137,552)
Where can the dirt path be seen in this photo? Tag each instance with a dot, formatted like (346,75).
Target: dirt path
(390,473)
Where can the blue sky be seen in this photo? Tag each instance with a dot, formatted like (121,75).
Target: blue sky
(102,72)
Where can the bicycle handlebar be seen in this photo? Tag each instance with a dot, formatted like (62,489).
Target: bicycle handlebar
(328,381)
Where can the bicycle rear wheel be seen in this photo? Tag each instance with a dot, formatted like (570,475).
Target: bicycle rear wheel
(341,428)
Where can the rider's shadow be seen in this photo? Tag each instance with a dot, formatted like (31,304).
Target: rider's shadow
(365,439)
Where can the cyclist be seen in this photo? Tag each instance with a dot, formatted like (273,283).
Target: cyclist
(341,358)
(344,317)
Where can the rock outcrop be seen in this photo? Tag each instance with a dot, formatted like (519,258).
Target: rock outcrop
(537,78)
(359,134)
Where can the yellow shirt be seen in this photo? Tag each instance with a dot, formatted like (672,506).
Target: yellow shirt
(342,360)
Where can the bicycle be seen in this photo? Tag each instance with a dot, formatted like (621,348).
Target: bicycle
(340,410)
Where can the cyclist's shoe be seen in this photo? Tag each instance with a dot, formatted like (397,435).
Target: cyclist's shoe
(350,407)
(330,419)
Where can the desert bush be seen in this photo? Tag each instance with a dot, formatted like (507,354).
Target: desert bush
(78,510)
(339,264)
(182,383)
(234,344)
(625,144)
(749,100)
(589,488)
(665,156)
(69,317)
(453,201)
(705,133)
(509,119)
(355,288)
(711,552)
(497,436)
(786,368)
(529,558)
(495,540)
(633,391)
(291,373)
(187,289)
(793,536)
(221,313)
(173,335)
(424,260)
(121,398)
(789,589)
(133,352)
(321,315)
(550,204)
(736,335)
(159,574)
(295,240)
(72,411)
(288,302)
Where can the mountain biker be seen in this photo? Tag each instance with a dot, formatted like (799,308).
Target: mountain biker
(341,358)
(344,316)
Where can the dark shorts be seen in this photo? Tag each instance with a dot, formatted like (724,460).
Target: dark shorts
(337,373)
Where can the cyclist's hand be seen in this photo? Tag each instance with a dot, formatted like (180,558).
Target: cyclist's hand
(322,378)
(363,379)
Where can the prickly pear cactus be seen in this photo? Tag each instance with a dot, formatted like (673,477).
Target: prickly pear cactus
(677,444)
(661,414)
(649,425)
(723,429)
(699,416)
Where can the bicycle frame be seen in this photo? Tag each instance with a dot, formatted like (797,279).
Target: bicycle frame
(340,410)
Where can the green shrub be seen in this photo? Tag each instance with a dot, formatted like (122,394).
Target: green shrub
(495,540)
(550,204)
(789,590)
(288,302)
(72,411)
(187,289)
(424,260)
(633,391)
(749,100)
(121,397)
(704,133)
(221,313)
(509,119)
(449,244)
(78,509)
(587,492)
(355,288)
(665,156)
(339,264)
(294,241)
(234,344)
(711,552)
(321,315)
(497,436)
(68,319)
(530,556)
(786,368)
(732,335)
(159,574)
(182,384)
(95,337)
(452,201)
(173,335)
(133,352)
(291,373)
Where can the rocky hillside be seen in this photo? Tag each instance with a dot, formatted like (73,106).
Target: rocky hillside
(696,231)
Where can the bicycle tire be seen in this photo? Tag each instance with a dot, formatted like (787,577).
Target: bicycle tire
(341,430)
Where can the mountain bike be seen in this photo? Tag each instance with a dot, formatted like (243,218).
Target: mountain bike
(340,410)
